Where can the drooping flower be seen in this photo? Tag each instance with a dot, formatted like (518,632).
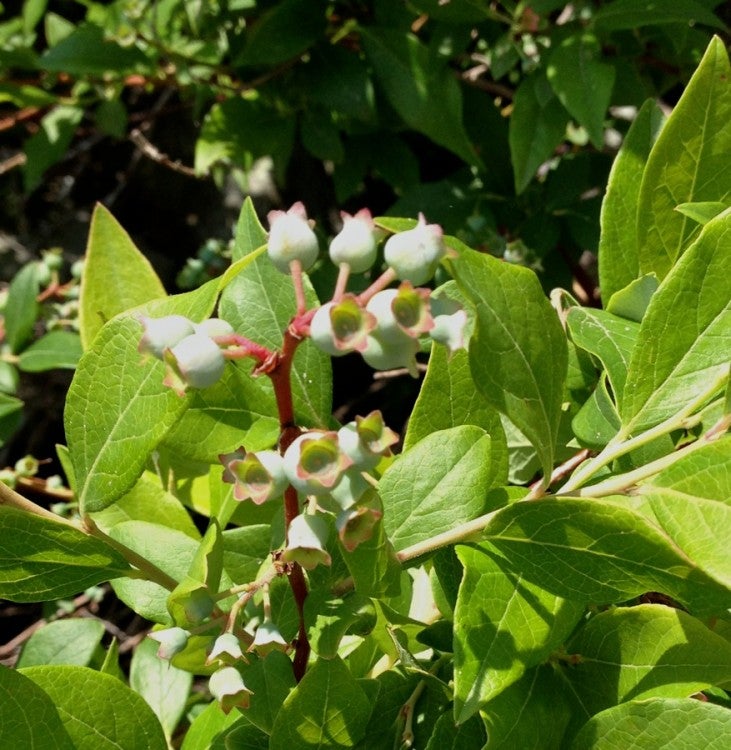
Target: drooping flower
(381,355)
(256,476)
(400,311)
(314,462)
(267,639)
(366,440)
(306,539)
(341,327)
(172,641)
(226,650)
(228,688)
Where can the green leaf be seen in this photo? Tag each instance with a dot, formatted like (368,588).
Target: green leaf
(209,728)
(86,52)
(21,309)
(688,164)
(692,502)
(631,302)
(448,735)
(116,275)
(44,148)
(449,380)
(537,125)
(164,688)
(647,651)
(582,82)
(518,354)
(10,416)
(439,483)
(619,253)
(702,211)
(55,350)
(245,549)
(328,709)
(98,711)
(632,14)
(245,736)
(28,715)
(207,565)
(328,618)
(597,422)
(597,551)
(71,641)
(171,551)
(117,409)
(271,680)
(239,131)
(147,501)
(685,336)
(259,303)
(610,338)
(282,32)
(531,714)
(238,410)
(503,625)
(42,560)
(420,87)
(669,723)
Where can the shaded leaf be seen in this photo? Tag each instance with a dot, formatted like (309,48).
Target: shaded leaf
(72,641)
(55,350)
(690,162)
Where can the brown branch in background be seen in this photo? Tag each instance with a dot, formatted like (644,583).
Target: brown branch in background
(16,160)
(564,469)
(474,77)
(152,152)
(29,113)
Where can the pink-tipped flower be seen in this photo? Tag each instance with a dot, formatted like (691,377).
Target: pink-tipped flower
(341,327)
(172,641)
(228,688)
(267,639)
(401,311)
(356,243)
(256,476)
(163,333)
(366,439)
(194,362)
(291,238)
(314,462)
(306,539)
(355,524)
(226,650)
(415,254)
(381,355)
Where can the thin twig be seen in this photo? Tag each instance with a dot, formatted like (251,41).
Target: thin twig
(152,152)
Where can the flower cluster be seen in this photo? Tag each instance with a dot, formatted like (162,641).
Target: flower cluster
(383,326)
(328,466)
(189,350)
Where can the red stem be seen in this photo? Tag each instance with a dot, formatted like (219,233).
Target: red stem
(280,376)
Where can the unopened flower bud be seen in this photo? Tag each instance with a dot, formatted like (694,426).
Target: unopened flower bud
(306,539)
(314,462)
(291,238)
(415,254)
(195,362)
(257,476)
(214,327)
(341,327)
(26,466)
(163,333)
(381,355)
(228,688)
(355,244)
(267,639)
(172,641)
(226,650)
